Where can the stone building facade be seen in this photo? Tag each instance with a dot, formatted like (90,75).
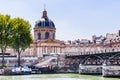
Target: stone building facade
(44,38)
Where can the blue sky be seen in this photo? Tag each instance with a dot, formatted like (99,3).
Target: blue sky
(74,19)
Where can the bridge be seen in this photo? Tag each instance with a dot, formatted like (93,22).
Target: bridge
(107,64)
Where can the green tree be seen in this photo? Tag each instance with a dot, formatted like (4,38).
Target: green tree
(5,34)
(22,37)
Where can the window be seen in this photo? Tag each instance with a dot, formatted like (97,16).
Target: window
(46,35)
(39,36)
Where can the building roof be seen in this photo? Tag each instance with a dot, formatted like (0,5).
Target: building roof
(44,22)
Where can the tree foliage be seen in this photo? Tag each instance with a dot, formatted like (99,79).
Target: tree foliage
(6,30)
(22,37)
(14,33)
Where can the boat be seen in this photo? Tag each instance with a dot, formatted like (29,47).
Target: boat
(21,70)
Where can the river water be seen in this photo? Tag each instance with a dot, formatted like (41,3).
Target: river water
(56,77)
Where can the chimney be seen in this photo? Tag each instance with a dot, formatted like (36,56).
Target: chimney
(94,38)
(119,32)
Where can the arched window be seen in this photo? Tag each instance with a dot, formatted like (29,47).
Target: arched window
(39,36)
(46,35)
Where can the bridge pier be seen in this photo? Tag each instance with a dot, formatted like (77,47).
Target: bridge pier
(111,71)
(90,69)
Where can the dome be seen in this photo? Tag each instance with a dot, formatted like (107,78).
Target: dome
(45,21)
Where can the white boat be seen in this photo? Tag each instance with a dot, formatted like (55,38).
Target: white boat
(21,70)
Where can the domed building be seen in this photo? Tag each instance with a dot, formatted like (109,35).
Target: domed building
(44,28)
(44,38)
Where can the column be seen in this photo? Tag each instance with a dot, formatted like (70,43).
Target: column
(60,50)
(53,49)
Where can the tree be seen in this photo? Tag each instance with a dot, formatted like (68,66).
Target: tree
(5,34)
(22,37)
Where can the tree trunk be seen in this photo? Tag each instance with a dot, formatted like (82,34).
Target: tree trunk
(3,60)
(18,59)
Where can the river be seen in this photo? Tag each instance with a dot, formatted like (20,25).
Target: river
(56,77)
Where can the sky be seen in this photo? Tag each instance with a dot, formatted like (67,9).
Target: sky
(74,19)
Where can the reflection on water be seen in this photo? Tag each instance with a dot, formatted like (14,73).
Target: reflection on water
(55,77)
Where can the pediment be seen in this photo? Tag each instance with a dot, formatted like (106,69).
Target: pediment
(52,41)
